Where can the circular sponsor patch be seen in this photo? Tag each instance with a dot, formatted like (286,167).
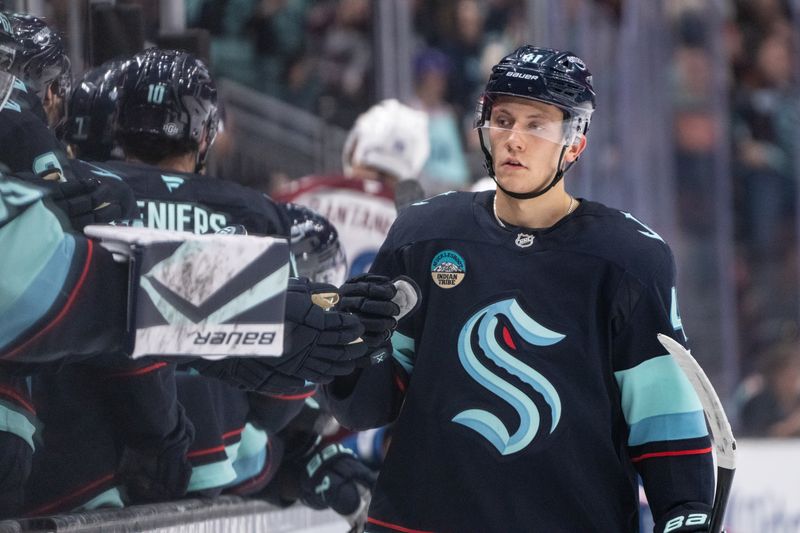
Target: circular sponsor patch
(448,268)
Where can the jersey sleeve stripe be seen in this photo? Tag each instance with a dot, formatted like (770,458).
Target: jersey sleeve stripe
(33,253)
(72,496)
(34,274)
(699,451)
(110,498)
(251,456)
(70,301)
(290,397)
(655,387)
(17,424)
(394,527)
(678,426)
(138,371)
(216,474)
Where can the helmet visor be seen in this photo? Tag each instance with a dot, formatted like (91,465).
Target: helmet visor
(553,123)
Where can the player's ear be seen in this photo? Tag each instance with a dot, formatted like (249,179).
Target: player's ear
(576,149)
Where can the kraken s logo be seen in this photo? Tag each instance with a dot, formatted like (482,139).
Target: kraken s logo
(486,324)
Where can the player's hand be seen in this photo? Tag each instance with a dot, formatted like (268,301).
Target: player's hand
(158,477)
(369,297)
(318,346)
(334,477)
(91,200)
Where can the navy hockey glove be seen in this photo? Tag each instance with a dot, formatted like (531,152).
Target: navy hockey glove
(369,297)
(379,303)
(689,517)
(155,478)
(91,200)
(318,346)
(334,477)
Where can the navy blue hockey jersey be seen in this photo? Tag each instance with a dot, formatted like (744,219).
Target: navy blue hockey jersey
(182,201)
(26,142)
(530,388)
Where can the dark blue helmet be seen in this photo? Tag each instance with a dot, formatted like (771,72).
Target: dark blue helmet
(551,76)
(91,111)
(168,95)
(545,75)
(39,58)
(315,246)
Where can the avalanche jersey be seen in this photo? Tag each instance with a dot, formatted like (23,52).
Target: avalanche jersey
(26,142)
(182,201)
(362,211)
(529,388)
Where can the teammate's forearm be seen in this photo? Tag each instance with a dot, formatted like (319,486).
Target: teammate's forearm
(368,398)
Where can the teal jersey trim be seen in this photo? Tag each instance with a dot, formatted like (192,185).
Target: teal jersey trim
(661,428)
(107,499)
(16,423)
(214,475)
(403,351)
(252,454)
(34,273)
(655,387)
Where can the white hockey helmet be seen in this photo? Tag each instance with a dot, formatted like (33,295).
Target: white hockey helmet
(390,137)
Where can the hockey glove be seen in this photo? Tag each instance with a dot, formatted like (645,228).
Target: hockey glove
(318,346)
(91,200)
(379,303)
(689,517)
(155,478)
(334,477)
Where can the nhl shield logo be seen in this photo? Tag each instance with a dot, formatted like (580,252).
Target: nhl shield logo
(448,269)
(524,240)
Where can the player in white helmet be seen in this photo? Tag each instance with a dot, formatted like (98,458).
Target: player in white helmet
(382,157)
(389,142)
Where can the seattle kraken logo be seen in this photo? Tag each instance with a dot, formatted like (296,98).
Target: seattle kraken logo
(485,323)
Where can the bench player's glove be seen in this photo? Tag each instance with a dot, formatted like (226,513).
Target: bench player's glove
(318,346)
(334,477)
(155,477)
(90,200)
(379,303)
(689,517)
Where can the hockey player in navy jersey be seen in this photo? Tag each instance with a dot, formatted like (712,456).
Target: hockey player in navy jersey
(36,56)
(166,122)
(62,299)
(89,127)
(529,390)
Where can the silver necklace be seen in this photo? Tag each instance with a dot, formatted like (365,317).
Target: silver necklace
(570,207)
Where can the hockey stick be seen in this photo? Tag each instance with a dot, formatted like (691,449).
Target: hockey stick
(724,443)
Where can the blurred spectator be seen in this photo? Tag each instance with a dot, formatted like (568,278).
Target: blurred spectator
(446,168)
(773,407)
(464,52)
(764,117)
(345,64)
(278,32)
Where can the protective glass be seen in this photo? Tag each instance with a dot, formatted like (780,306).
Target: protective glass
(500,125)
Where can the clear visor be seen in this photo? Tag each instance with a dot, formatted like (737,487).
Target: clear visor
(500,127)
